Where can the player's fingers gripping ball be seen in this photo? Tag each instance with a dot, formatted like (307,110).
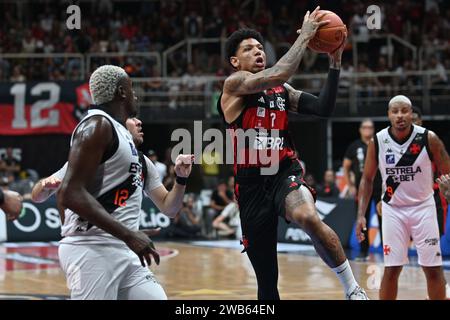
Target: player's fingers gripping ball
(331,36)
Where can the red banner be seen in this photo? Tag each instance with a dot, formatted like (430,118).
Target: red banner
(42,107)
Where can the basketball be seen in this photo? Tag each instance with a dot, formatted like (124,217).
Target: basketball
(329,37)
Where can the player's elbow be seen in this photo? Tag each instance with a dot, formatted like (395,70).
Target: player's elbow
(281,76)
(172,212)
(64,196)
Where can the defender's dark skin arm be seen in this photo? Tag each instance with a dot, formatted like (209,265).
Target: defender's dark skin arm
(92,139)
(442,161)
(366,188)
(440,156)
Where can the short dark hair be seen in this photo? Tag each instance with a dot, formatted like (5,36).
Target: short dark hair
(418,111)
(233,42)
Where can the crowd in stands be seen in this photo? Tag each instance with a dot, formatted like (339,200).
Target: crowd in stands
(144,26)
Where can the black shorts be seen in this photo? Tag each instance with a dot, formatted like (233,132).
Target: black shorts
(261,201)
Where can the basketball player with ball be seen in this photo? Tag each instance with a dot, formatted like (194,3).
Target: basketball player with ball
(258,99)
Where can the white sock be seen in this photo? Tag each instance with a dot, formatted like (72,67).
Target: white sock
(345,276)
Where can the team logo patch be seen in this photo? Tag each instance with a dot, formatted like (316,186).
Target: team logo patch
(390,159)
(415,148)
(432,242)
(281,103)
(261,112)
(386,250)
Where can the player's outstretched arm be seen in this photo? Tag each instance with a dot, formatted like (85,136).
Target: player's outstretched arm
(92,140)
(365,189)
(46,187)
(323,105)
(170,202)
(244,82)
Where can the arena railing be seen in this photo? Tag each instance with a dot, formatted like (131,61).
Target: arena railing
(390,39)
(69,61)
(359,93)
(189,43)
(151,59)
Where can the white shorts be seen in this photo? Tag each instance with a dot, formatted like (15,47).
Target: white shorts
(400,224)
(107,272)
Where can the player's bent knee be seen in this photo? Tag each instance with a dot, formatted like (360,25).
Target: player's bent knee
(307,218)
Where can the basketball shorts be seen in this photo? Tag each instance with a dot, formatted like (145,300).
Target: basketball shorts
(107,272)
(262,201)
(400,224)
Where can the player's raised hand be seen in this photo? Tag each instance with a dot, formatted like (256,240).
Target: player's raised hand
(336,56)
(360,227)
(311,23)
(444,185)
(51,183)
(183,165)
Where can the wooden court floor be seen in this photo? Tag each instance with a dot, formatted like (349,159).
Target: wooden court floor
(192,272)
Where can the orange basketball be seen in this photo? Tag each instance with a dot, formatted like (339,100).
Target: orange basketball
(329,37)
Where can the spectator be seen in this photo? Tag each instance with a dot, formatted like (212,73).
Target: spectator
(220,198)
(23,185)
(210,168)
(228,222)
(187,222)
(329,187)
(169,179)
(440,78)
(193,25)
(160,167)
(17,75)
(354,161)
(11,163)
(28,43)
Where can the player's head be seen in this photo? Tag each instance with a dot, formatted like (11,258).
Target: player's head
(366,129)
(245,50)
(111,84)
(400,112)
(416,116)
(134,125)
(329,176)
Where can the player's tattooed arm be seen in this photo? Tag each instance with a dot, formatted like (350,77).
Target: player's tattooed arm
(439,153)
(244,82)
(294,96)
(366,188)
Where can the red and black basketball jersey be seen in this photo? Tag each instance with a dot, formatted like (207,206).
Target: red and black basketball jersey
(264,125)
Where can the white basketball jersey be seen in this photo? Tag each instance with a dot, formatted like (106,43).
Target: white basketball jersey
(117,185)
(406,168)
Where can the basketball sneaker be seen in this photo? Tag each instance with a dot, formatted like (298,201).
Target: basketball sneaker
(357,294)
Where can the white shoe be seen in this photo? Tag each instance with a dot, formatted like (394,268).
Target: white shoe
(447,291)
(357,294)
